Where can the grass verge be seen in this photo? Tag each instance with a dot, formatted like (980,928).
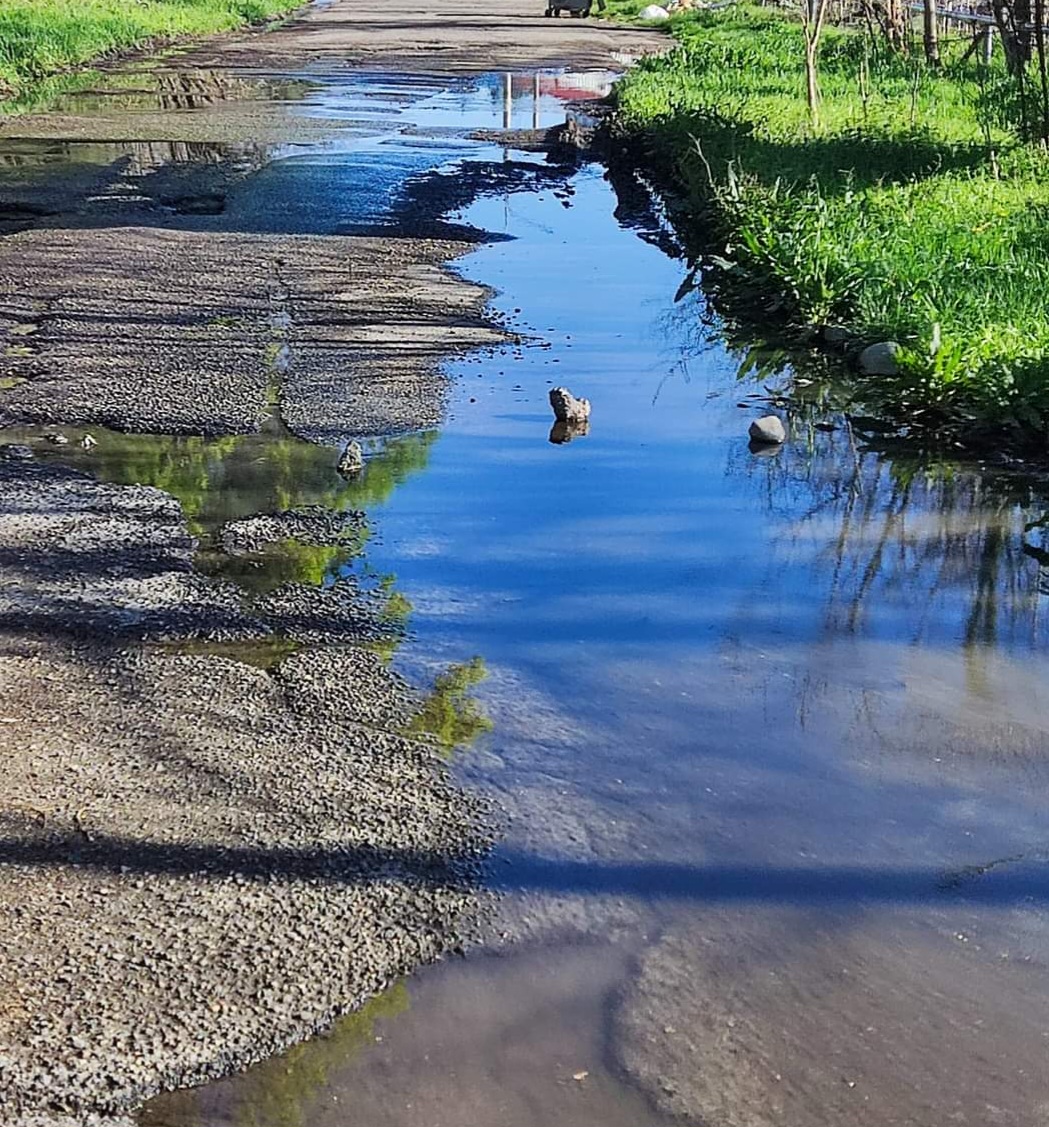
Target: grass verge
(910,214)
(39,38)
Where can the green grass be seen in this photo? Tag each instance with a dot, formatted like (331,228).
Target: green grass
(39,38)
(911,213)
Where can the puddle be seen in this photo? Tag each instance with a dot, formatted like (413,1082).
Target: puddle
(218,480)
(748,711)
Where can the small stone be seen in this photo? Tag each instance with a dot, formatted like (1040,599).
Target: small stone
(835,334)
(653,14)
(881,359)
(351,461)
(57,439)
(16,452)
(568,409)
(88,441)
(768,431)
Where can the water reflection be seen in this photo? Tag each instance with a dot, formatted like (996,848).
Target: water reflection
(957,545)
(218,480)
(450,714)
(722,640)
(563,432)
(280,1092)
(159,87)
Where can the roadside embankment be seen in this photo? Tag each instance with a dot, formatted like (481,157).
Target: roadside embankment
(910,213)
(41,37)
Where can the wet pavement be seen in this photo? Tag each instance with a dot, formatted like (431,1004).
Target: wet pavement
(770,727)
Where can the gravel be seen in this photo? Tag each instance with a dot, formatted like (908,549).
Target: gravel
(205,864)
(347,332)
(312,524)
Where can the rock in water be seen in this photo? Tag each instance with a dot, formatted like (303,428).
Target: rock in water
(351,461)
(881,359)
(88,442)
(653,13)
(58,439)
(568,409)
(768,431)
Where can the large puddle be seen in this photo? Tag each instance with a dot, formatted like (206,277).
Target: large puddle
(771,726)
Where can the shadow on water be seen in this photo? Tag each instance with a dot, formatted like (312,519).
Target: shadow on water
(1015,881)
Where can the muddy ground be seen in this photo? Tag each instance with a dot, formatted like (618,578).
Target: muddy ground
(205,860)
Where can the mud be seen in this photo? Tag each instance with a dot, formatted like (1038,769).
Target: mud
(779,1016)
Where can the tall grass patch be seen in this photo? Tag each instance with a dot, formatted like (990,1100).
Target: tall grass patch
(42,37)
(911,213)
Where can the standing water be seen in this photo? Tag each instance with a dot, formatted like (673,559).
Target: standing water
(769,725)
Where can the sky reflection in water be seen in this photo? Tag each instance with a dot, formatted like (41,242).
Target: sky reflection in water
(820,661)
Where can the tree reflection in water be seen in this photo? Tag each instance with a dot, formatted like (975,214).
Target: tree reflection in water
(280,1091)
(450,714)
(217,480)
(956,548)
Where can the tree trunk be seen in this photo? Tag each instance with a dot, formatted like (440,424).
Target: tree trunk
(1043,75)
(1014,26)
(812,82)
(932,34)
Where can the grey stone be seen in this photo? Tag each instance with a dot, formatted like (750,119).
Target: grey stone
(653,14)
(768,431)
(568,409)
(351,461)
(57,439)
(835,334)
(881,359)
(311,524)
